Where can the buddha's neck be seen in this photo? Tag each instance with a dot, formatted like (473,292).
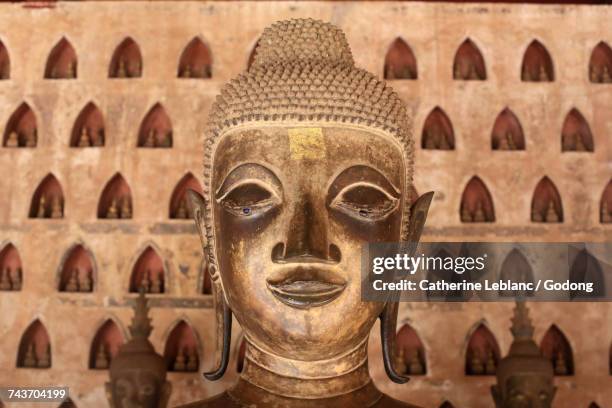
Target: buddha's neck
(308,380)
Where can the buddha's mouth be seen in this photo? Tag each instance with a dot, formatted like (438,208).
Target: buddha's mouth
(304,288)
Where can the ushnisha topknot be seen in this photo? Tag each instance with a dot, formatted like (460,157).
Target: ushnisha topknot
(304,72)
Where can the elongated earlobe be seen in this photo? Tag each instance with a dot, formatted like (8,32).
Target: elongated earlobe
(224,334)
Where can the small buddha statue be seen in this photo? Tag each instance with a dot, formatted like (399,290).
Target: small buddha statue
(466,214)
(137,373)
(84,138)
(400,361)
(16,279)
(145,282)
(121,71)
(192,360)
(73,281)
(415,366)
(278,220)
(42,207)
(429,140)
(476,365)
(126,207)
(71,72)
(443,140)
(101,362)
(5,279)
(56,207)
(150,140)
(606,216)
(580,147)
(12,139)
(526,74)
(536,216)
(593,74)
(156,284)
(167,139)
(551,213)
(490,364)
(30,357)
(560,365)
(85,282)
(186,73)
(524,376)
(112,211)
(179,361)
(479,214)
(98,138)
(605,75)
(503,143)
(472,73)
(44,361)
(181,211)
(137,71)
(543,74)
(510,140)
(30,138)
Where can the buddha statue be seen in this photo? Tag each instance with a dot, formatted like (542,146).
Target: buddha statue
(84,138)
(307,158)
(12,139)
(137,373)
(524,376)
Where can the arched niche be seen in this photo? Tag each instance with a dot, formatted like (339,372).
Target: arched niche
(546,204)
(507,133)
(181,351)
(438,131)
(77,273)
(156,128)
(48,199)
(206,280)
(605,205)
(537,64)
(88,129)
(11,270)
(34,347)
(586,269)
(126,61)
(410,358)
(556,348)
(105,345)
(469,63)
(447,404)
(476,202)
(252,55)
(62,61)
(21,129)
(67,404)
(482,355)
(576,134)
(441,273)
(116,199)
(5,62)
(148,272)
(516,268)
(195,61)
(179,205)
(600,64)
(400,62)
(241,356)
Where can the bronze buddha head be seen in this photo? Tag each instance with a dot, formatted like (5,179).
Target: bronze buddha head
(307,158)
(524,377)
(138,373)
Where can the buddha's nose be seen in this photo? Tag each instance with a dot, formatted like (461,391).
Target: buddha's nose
(308,235)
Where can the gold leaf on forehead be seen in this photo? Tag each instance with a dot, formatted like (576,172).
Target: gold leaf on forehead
(306,143)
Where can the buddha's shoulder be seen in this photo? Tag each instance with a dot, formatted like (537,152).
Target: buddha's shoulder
(218,401)
(387,402)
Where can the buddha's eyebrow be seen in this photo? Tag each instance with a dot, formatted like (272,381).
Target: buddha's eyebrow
(248,171)
(363,173)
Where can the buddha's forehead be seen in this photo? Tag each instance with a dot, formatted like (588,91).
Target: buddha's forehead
(322,149)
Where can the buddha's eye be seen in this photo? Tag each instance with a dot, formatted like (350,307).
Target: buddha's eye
(248,199)
(365,201)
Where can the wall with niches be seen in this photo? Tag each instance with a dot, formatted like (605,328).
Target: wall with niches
(162,30)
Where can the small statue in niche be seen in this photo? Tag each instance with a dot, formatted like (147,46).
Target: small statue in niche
(580,147)
(112,211)
(71,70)
(85,281)
(16,278)
(606,214)
(56,207)
(192,360)
(84,138)
(181,211)
(145,282)
(98,138)
(137,71)
(137,373)
(543,74)
(605,75)
(126,207)
(45,359)
(5,279)
(179,361)
(472,73)
(151,139)
(551,213)
(400,362)
(560,365)
(415,366)
(167,140)
(526,74)
(186,72)
(479,214)
(101,362)
(121,70)
(73,282)
(536,216)
(156,283)
(13,139)
(503,143)
(30,356)
(476,365)
(490,364)
(466,214)
(524,376)
(31,138)
(42,207)
(320,357)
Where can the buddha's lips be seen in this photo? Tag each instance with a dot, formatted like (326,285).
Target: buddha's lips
(306,288)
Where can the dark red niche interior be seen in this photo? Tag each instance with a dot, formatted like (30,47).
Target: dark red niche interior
(196,60)
(476,202)
(148,271)
(482,355)
(34,347)
(5,62)
(105,345)
(556,348)
(88,128)
(507,132)
(62,61)
(155,129)
(537,64)
(179,204)
(126,61)
(600,64)
(576,135)
(77,273)
(546,204)
(21,129)
(48,199)
(469,63)
(11,270)
(410,352)
(438,131)
(400,62)
(116,199)
(181,351)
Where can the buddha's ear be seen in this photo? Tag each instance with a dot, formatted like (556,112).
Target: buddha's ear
(223,318)
(388,324)
(198,205)
(418,216)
